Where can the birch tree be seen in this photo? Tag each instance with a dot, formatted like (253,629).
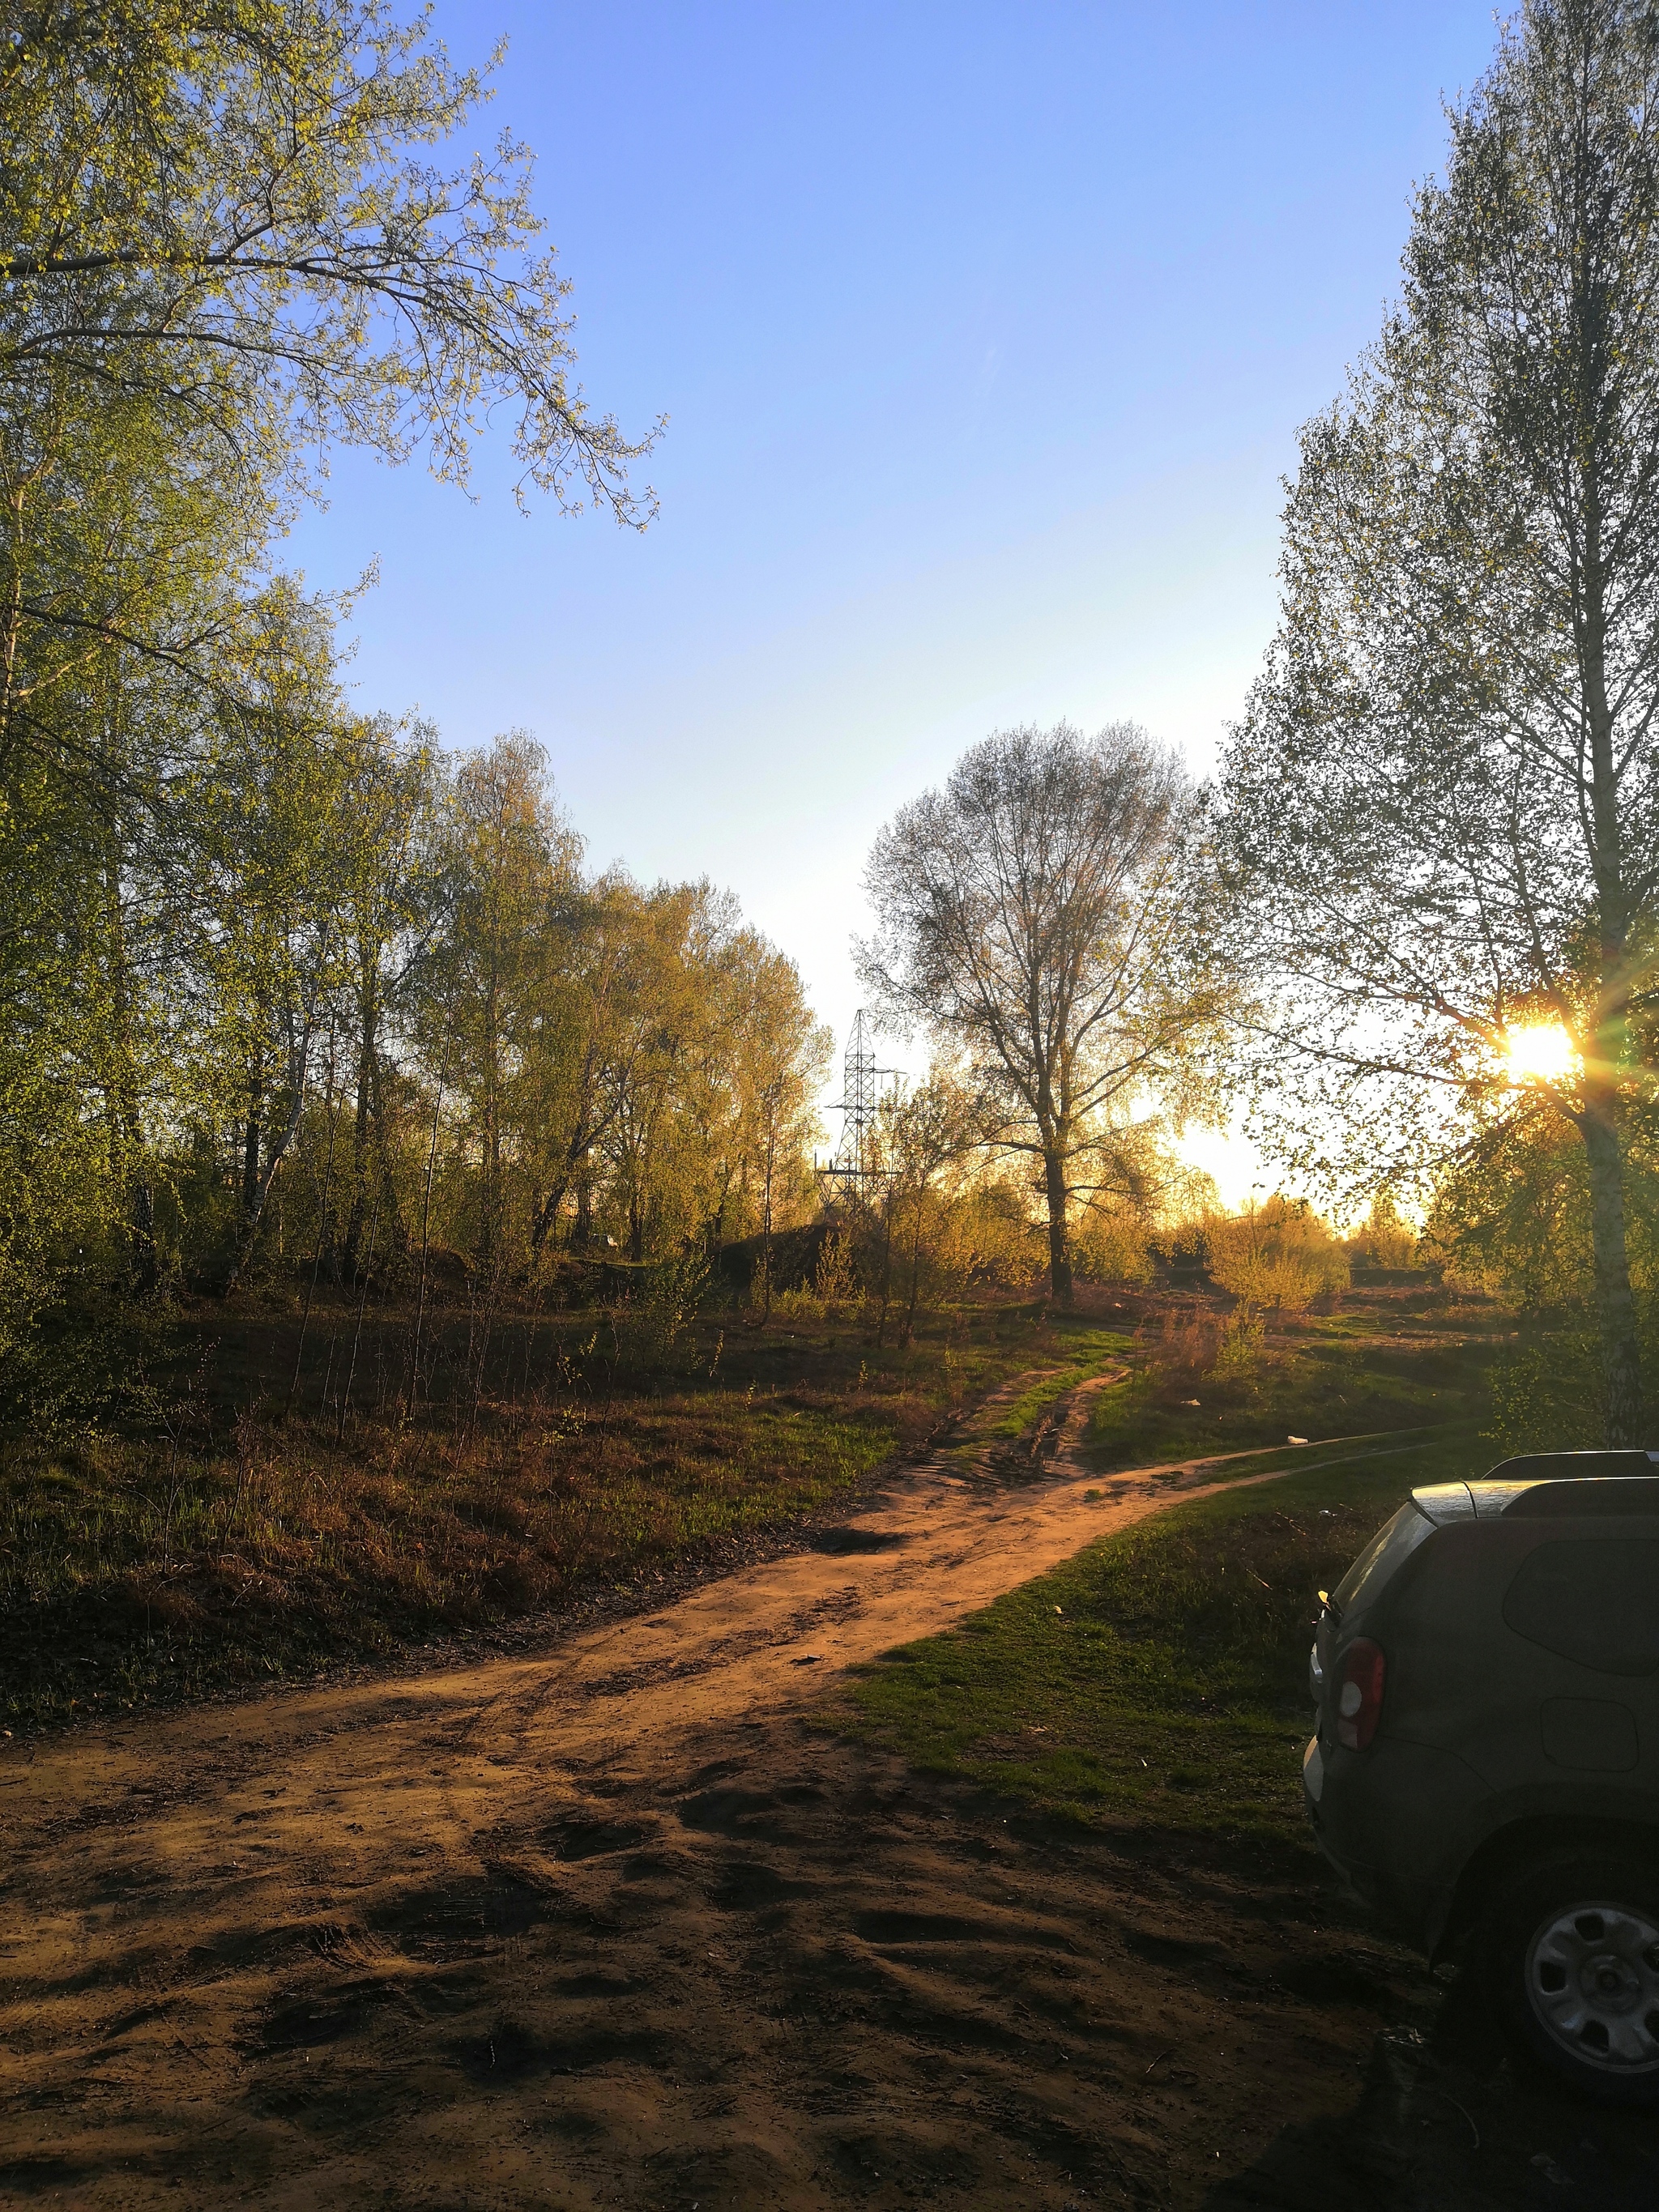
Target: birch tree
(230,209)
(1443,805)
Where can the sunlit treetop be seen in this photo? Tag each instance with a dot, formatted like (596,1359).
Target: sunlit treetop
(232,205)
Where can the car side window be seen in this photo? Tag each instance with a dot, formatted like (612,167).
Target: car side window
(1595,1603)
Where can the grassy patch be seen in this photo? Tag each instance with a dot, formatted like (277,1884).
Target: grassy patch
(210,1542)
(1160,1676)
(1394,1358)
(1089,1349)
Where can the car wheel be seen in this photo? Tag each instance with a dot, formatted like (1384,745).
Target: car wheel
(1572,1958)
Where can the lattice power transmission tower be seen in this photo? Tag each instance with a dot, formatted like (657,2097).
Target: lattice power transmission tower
(854,1165)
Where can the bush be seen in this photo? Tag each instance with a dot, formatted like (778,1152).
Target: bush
(1280,1255)
(1384,1239)
(1110,1246)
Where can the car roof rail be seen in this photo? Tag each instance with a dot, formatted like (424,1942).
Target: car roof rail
(1556,1466)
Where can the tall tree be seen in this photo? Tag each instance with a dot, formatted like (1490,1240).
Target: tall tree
(938,1124)
(513,858)
(592,936)
(390,910)
(1028,913)
(226,245)
(270,801)
(1443,806)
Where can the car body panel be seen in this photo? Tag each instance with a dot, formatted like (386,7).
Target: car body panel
(1484,1728)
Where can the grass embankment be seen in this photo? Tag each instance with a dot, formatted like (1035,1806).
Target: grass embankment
(229,1545)
(1397,1358)
(1160,1677)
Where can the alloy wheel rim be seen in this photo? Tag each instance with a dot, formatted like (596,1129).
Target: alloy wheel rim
(1593,1983)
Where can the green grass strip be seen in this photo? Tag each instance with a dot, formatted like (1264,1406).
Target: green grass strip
(1097,1349)
(1159,1678)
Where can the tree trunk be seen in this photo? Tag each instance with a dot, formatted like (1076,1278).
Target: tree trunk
(251,1148)
(886,1265)
(141,1236)
(489,1210)
(1621,1357)
(257,1190)
(127,1159)
(367,1051)
(1060,1261)
(915,1270)
(547,1212)
(766,1234)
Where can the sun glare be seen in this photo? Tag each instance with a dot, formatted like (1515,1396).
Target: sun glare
(1541,1052)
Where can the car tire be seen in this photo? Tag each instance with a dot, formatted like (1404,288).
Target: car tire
(1572,1961)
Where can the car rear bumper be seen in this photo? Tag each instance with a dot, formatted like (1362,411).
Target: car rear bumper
(1397,1822)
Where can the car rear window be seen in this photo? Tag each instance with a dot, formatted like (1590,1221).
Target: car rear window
(1381,1557)
(1595,1602)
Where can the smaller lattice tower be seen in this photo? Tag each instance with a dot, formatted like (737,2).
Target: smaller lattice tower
(854,1164)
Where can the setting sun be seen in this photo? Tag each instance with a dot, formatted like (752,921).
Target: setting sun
(1541,1052)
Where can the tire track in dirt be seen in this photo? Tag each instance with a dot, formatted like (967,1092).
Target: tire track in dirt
(265,1943)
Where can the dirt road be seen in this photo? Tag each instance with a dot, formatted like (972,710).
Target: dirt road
(613,1924)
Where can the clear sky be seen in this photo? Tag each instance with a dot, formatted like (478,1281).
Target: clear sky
(984,332)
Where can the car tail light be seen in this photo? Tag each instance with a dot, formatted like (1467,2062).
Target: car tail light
(1359,1693)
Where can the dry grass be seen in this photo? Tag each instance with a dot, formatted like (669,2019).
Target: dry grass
(238,1526)
(225,1542)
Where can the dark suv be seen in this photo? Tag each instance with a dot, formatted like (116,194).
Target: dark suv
(1486,1770)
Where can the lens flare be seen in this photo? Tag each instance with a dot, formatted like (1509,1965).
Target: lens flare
(1542,1052)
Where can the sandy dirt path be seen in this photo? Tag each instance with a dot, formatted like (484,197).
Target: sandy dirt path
(560,1931)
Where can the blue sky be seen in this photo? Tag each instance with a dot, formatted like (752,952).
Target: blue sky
(984,332)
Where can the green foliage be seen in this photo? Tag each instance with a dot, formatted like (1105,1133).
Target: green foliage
(1112,1243)
(1546,1394)
(1513,1211)
(231,212)
(1385,1239)
(283,995)
(1239,1351)
(1279,1255)
(1512,1216)
(1441,810)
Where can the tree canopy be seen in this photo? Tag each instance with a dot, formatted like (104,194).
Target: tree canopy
(273,971)
(1442,808)
(228,211)
(1031,913)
